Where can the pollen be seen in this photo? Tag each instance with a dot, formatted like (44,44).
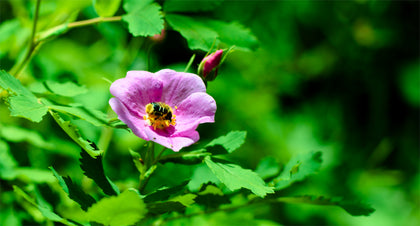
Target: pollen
(159,115)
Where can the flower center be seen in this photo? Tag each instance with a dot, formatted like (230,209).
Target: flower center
(159,115)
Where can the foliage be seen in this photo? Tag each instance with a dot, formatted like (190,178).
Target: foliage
(316,103)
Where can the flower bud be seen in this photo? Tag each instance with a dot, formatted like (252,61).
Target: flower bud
(209,65)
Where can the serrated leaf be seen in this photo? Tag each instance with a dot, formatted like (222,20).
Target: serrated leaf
(194,30)
(228,143)
(125,209)
(66,89)
(93,168)
(22,103)
(74,134)
(354,208)
(45,211)
(235,177)
(298,169)
(268,167)
(74,191)
(177,204)
(106,8)
(144,21)
(190,6)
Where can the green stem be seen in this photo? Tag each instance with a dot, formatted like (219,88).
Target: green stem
(15,71)
(93,21)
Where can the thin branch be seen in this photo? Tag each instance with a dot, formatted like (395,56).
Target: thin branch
(93,21)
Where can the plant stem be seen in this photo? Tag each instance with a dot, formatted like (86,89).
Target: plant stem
(15,71)
(93,21)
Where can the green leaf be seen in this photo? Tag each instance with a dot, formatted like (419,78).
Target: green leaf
(211,196)
(164,193)
(202,175)
(67,89)
(106,8)
(7,162)
(234,34)
(177,204)
(92,116)
(235,177)
(73,132)
(228,143)
(194,30)
(268,167)
(125,209)
(190,6)
(354,208)
(201,32)
(187,158)
(22,103)
(93,168)
(298,169)
(31,175)
(45,210)
(74,191)
(144,21)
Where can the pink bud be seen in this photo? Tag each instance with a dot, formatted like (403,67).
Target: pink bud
(209,64)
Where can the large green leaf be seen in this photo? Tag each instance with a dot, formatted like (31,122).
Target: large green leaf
(235,177)
(298,169)
(106,8)
(354,208)
(268,167)
(194,30)
(92,116)
(202,33)
(93,168)
(190,5)
(143,19)
(22,103)
(125,209)
(74,191)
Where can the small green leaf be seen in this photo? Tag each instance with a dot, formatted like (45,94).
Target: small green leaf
(177,204)
(67,89)
(106,8)
(74,191)
(298,169)
(93,168)
(354,208)
(235,177)
(228,143)
(22,103)
(144,21)
(7,160)
(268,167)
(125,209)
(190,6)
(19,134)
(194,30)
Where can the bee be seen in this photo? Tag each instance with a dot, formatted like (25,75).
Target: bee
(159,115)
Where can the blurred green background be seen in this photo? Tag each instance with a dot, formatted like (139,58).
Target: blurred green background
(341,77)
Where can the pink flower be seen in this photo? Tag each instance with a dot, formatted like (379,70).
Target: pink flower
(209,64)
(165,107)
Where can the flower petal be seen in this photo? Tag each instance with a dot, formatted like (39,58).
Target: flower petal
(173,142)
(178,85)
(136,124)
(137,89)
(195,109)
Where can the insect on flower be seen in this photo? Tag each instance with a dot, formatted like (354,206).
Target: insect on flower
(159,115)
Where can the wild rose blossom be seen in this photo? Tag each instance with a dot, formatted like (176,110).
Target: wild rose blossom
(165,107)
